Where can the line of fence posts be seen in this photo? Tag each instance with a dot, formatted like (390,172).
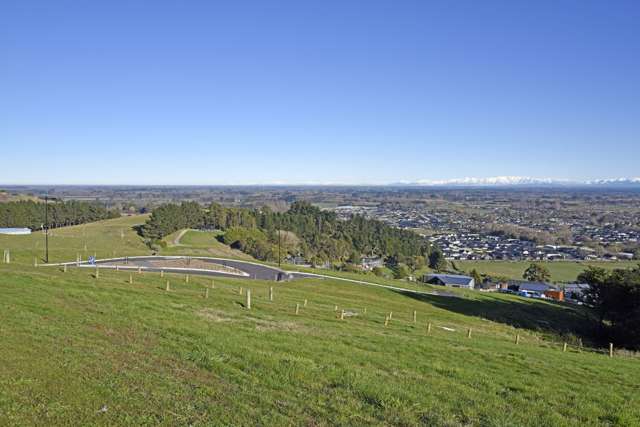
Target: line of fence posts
(6,259)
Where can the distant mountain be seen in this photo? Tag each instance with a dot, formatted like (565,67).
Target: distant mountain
(515,181)
(615,181)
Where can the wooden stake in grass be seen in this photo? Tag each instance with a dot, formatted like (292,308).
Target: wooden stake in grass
(35,262)
(564,348)
(64,268)
(161,273)
(168,288)
(364,310)
(97,272)
(386,321)
(270,293)
(213,284)
(186,278)
(469,333)
(117,267)
(139,270)
(610,349)
(390,315)
(206,293)
(240,291)
(297,308)
(130,279)
(428,328)
(517,338)
(335,308)
(248,299)
(415,316)
(305,303)
(342,315)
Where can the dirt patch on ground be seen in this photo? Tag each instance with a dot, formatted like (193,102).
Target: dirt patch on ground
(213,315)
(272,325)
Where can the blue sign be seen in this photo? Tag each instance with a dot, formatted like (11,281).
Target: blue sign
(92,260)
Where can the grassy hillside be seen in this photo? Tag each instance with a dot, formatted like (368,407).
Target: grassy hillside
(113,237)
(561,271)
(203,243)
(73,344)
(77,350)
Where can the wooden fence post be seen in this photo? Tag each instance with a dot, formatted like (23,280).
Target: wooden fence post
(117,267)
(415,316)
(240,291)
(248,299)
(364,311)
(342,315)
(130,278)
(186,278)
(517,338)
(428,328)
(297,308)
(305,303)
(610,349)
(64,268)
(335,308)
(206,292)
(386,320)
(213,284)
(270,293)
(97,272)
(167,288)
(35,261)
(161,273)
(564,348)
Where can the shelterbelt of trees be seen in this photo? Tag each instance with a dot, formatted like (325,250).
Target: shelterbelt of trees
(302,230)
(615,298)
(31,214)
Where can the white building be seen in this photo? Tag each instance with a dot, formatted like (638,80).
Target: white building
(15,231)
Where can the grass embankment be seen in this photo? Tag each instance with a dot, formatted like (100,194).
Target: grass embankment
(561,271)
(73,344)
(200,243)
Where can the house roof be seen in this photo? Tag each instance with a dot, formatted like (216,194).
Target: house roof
(452,279)
(534,286)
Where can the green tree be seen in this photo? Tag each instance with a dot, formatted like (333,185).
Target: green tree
(536,272)
(437,260)
(615,297)
(477,278)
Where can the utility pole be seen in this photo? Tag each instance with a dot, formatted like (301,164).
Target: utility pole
(46,229)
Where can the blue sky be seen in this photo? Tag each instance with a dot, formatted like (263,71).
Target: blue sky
(238,92)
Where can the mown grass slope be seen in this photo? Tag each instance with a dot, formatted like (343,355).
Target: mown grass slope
(79,350)
(108,238)
(200,243)
(76,350)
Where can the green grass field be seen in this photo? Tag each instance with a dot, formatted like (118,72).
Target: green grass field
(77,350)
(115,237)
(561,271)
(202,243)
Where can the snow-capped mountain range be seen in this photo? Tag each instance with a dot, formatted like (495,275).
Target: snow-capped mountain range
(498,181)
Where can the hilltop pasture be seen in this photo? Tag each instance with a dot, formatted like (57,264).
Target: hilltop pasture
(82,350)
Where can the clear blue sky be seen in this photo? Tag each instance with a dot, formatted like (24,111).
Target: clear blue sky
(236,92)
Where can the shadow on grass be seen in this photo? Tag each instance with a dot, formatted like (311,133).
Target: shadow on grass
(550,317)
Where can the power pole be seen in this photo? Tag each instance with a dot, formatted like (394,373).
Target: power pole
(46,229)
